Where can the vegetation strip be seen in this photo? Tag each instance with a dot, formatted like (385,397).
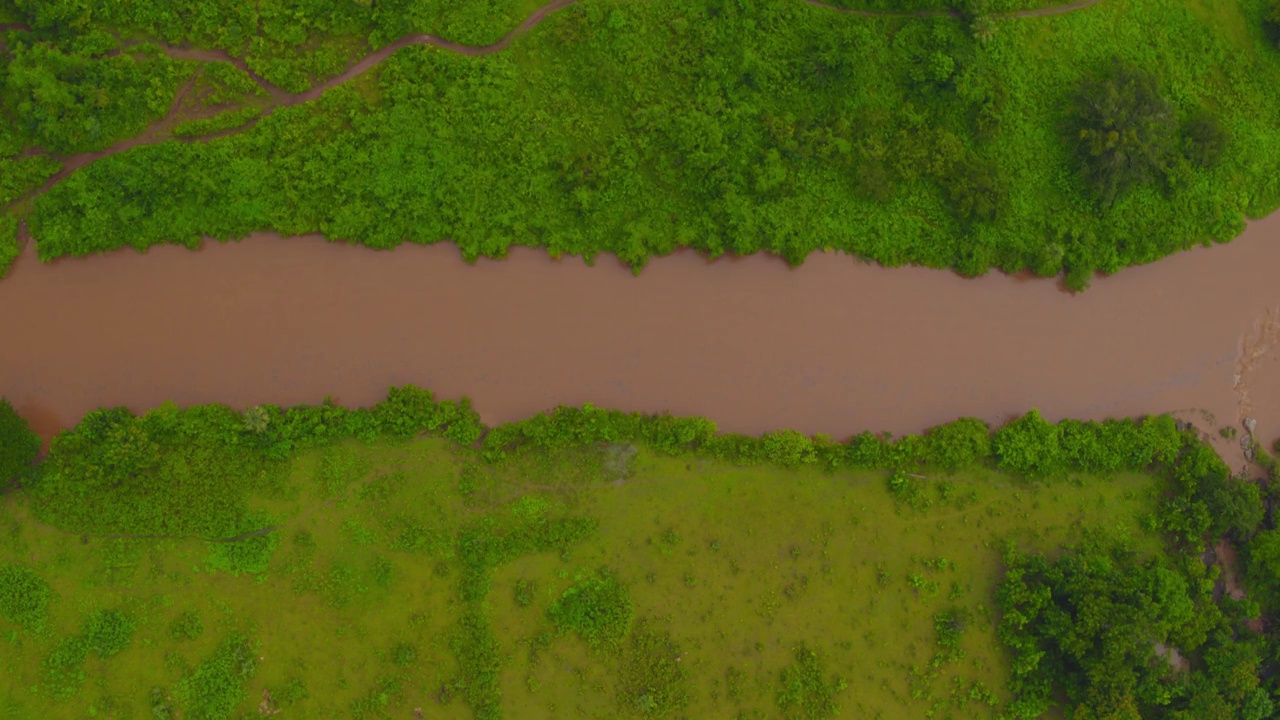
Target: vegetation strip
(1067,522)
(949,142)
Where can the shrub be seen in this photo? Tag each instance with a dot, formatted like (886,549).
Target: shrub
(226,83)
(949,626)
(867,451)
(908,490)
(805,694)
(789,448)
(215,687)
(957,445)
(375,702)
(524,592)
(108,632)
(1271,21)
(1028,446)
(408,411)
(1262,567)
(652,679)
(736,448)
(1236,506)
(294,691)
(828,129)
(906,451)
(24,596)
(598,609)
(62,670)
(673,436)
(104,633)
(251,555)
(18,443)
(404,654)
(480,660)
(1093,447)
(1157,440)
(224,121)
(977,190)
(187,626)
(170,472)
(1204,139)
(163,706)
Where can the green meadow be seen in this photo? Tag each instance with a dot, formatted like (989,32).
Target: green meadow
(405,560)
(740,592)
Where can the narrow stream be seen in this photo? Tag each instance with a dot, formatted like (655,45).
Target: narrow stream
(835,346)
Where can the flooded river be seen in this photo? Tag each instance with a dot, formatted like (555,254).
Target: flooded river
(835,346)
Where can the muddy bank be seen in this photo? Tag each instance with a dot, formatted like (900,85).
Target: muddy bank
(834,346)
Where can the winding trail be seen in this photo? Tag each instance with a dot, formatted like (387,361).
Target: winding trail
(161,130)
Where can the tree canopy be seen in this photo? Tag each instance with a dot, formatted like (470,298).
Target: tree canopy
(1125,131)
(19,444)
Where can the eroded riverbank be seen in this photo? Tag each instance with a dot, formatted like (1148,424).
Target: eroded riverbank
(834,346)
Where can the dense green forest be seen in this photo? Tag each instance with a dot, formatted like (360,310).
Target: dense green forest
(1089,140)
(1087,584)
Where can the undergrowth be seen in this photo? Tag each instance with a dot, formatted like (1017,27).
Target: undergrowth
(598,609)
(807,694)
(215,687)
(24,597)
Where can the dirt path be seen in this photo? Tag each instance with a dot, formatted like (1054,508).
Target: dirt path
(161,130)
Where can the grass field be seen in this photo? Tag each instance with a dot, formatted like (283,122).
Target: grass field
(406,576)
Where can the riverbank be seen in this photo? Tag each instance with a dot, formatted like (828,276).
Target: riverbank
(532,565)
(363,560)
(942,143)
(834,346)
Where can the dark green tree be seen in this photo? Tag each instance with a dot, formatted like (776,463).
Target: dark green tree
(1029,445)
(977,191)
(1204,139)
(1088,624)
(1124,130)
(1262,567)
(1272,21)
(957,445)
(18,443)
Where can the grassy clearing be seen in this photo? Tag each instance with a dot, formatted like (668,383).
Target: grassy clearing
(404,575)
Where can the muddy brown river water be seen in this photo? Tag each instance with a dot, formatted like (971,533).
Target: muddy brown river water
(834,346)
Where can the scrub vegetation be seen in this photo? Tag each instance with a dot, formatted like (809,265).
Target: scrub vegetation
(983,136)
(405,560)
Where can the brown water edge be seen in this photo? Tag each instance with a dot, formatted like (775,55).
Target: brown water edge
(834,346)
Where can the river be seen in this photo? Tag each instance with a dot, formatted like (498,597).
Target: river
(835,346)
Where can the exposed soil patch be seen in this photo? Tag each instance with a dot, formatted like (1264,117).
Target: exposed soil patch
(617,461)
